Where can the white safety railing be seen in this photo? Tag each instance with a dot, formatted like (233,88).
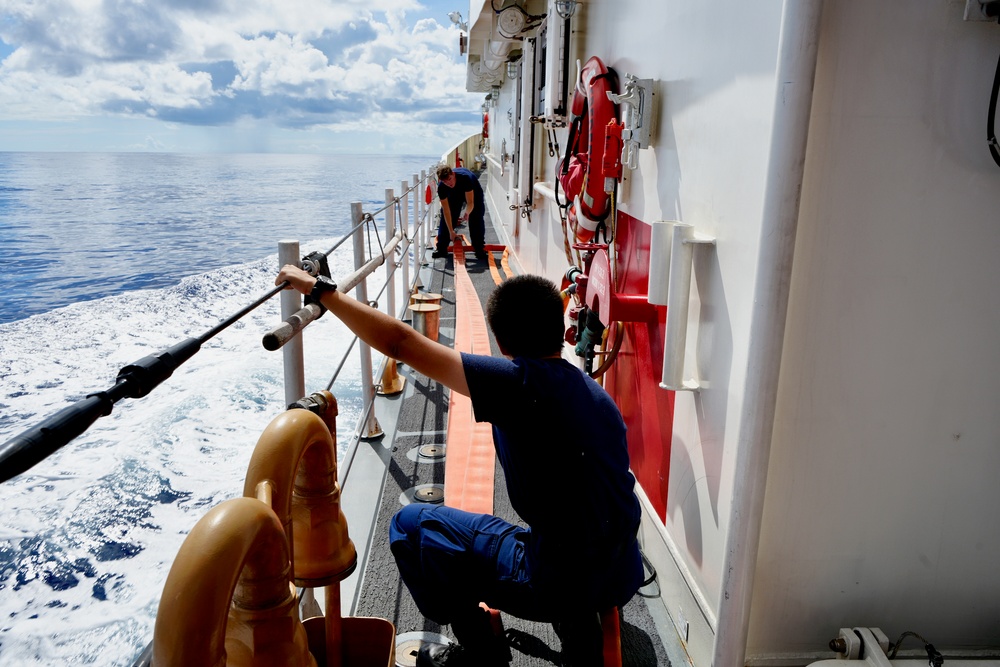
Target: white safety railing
(410,240)
(141,377)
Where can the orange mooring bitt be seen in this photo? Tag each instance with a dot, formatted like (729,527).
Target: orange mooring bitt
(229,599)
(298,454)
(209,613)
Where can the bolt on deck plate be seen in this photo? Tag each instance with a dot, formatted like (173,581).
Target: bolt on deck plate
(429,494)
(435,451)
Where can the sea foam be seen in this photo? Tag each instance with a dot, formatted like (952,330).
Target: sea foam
(88,535)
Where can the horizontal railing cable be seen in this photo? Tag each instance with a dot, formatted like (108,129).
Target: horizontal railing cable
(135,380)
(347,354)
(138,379)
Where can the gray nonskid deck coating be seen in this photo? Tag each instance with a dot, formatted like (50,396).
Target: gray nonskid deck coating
(421,420)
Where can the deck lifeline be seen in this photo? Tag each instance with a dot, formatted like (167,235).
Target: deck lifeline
(384,472)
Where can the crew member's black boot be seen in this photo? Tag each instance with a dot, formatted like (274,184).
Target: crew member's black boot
(582,640)
(478,645)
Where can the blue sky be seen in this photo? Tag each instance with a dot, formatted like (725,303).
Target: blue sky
(288,76)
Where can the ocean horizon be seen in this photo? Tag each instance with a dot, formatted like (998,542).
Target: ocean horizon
(106,258)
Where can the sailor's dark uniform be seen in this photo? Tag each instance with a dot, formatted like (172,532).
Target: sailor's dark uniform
(561,441)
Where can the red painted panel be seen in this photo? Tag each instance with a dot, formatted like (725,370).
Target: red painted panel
(634,379)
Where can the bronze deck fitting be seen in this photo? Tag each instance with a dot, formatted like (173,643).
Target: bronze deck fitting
(392,382)
(426,297)
(427,319)
(234,560)
(297,454)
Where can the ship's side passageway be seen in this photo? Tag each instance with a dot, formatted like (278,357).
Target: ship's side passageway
(416,451)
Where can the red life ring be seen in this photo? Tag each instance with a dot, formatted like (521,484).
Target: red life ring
(586,147)
(486,126)
(427,195)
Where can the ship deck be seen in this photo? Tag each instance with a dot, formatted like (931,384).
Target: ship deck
(384,472)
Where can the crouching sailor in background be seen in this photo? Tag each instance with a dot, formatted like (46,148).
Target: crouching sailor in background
(561,442)
(457,188)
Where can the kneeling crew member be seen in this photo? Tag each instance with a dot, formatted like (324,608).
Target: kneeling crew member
(560,439)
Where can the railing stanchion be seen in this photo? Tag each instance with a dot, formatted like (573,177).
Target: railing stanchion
(291,301)
(428,206)
(406,244)
(372,428)
(423,208)
(390,263)
(416,217)
(392,383)
(404,207)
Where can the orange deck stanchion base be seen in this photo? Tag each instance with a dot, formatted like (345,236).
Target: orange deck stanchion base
(367,642)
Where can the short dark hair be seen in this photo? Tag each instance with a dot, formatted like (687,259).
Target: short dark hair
(443,171)
(526,316)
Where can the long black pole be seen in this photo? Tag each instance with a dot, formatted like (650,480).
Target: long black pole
(136,380)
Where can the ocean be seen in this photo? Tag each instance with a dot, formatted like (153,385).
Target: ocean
(104,259)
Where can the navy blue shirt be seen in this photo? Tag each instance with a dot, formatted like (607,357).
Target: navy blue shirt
(465,181)
(560,439)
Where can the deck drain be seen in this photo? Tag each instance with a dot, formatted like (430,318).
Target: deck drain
(430,453)
(430,494)
(409,643)
(423,493)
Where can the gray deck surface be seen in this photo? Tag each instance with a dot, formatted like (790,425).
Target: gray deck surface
(422,420)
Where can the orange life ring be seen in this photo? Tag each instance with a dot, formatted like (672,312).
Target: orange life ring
(427,195)
(486,125)
(586,147)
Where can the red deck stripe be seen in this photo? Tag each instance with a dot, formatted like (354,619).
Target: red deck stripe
(471,462)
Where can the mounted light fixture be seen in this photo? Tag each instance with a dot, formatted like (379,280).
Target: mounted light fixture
(512,69)
(566,8)
(456,18)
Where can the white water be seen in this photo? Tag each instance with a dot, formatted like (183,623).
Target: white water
(87,536)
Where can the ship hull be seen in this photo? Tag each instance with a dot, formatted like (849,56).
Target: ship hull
(836,465)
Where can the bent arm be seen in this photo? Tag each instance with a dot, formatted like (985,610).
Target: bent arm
(386,334)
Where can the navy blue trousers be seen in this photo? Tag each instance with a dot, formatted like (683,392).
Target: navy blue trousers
(452,560)
(477,231)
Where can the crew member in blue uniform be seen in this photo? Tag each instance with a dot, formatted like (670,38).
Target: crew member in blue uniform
(456,188)
(561,442)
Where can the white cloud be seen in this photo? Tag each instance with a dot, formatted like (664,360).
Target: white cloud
(382,67)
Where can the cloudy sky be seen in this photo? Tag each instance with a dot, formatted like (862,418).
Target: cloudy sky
(292,76)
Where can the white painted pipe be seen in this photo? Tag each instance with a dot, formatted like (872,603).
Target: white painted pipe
(424,220)
(416,216)
(292,352)
(659,260)
(545,190)
(678,299)
(794,77)
(390,264)
(404,224)
(365,351)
